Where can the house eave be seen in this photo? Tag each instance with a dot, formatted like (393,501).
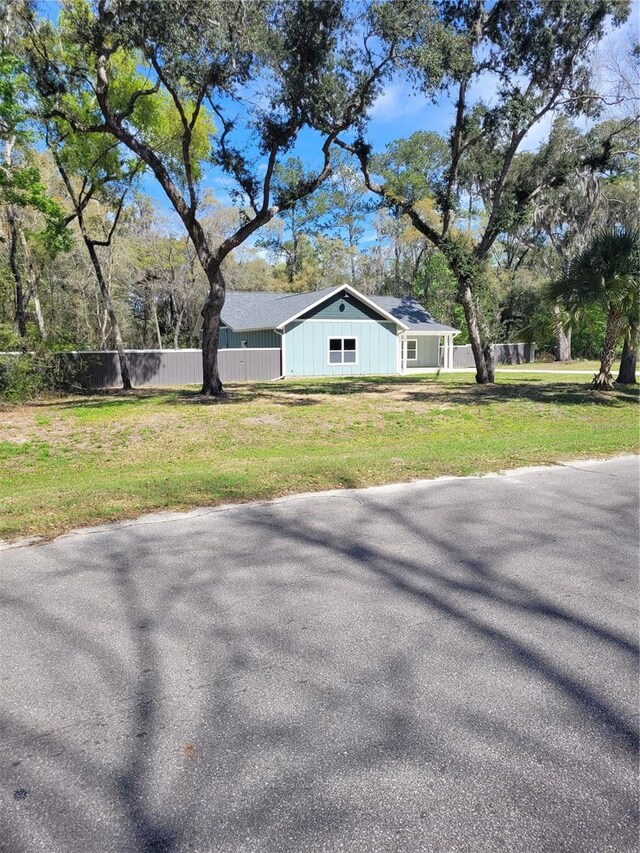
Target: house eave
(438,332)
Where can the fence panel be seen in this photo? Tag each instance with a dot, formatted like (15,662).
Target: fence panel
(101,369)
(502,354)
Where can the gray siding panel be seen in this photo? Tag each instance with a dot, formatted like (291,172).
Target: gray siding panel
(264,339)
(248,365)
(171,368)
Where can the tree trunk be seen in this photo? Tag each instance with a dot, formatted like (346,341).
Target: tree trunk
(352,253)
(21,309)
(156,322)
(603,380)
(33,282)
(211,384)
(396,267)
(111,311)
(176,329)
(293,269)
(38,309)
(482,354)
(563,337)
(629,360)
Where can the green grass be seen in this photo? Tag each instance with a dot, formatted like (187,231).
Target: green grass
(85,460)
(577,364)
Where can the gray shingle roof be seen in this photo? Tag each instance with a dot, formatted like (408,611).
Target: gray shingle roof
(261,310)
(410,312)
(244,310)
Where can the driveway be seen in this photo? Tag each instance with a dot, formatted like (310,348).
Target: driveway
(446,666)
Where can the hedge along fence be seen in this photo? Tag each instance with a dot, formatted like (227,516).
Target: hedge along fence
(24,375)
(502,354)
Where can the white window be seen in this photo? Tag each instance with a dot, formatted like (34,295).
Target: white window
(412,349)
(343,350)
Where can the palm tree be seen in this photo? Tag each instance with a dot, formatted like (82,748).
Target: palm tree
(606,273)
(629,357)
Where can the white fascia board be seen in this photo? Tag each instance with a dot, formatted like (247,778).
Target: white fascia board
(438,332)
(353,292)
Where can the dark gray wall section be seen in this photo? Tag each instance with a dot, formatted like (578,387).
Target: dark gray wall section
(342,306)
(171,367)
(254,340)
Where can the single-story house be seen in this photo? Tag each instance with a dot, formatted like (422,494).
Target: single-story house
(337,331)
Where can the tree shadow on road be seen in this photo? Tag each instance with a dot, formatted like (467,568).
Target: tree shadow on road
(274,688)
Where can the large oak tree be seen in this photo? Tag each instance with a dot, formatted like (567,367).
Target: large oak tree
(536,55)
(263,71)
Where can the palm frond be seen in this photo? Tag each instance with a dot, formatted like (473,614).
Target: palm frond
(606,272)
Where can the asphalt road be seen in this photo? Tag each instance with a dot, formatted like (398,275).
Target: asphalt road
(430,667)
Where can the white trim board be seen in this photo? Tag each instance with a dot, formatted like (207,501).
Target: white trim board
(420,333)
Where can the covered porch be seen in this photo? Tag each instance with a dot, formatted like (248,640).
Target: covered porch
(422,351)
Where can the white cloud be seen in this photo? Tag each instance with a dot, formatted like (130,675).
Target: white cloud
(484,88)
(539,134)
(396,101)
(222,181)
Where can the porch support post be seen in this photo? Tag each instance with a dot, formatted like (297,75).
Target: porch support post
(449,351)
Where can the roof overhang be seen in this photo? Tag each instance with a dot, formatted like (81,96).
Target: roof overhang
(438,332)
(353,292)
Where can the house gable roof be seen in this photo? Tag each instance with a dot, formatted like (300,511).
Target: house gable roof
(245,311)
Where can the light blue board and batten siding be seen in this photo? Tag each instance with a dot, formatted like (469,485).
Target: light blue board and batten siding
(306,346)
(265,339)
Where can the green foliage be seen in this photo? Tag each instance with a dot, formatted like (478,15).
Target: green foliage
(14,87)
(29,375)
(435,286)
(414,168)
(525,316)
(588,333)
(20,182)
(606,273)
(20,379)
(10,340)
(458,249)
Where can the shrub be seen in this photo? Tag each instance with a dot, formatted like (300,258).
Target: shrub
(25,376)
(10,340)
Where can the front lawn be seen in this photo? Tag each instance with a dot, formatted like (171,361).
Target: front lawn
(579,365)
(85,460)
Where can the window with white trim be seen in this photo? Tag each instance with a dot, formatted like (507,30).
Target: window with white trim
(411,350)
(343,350)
